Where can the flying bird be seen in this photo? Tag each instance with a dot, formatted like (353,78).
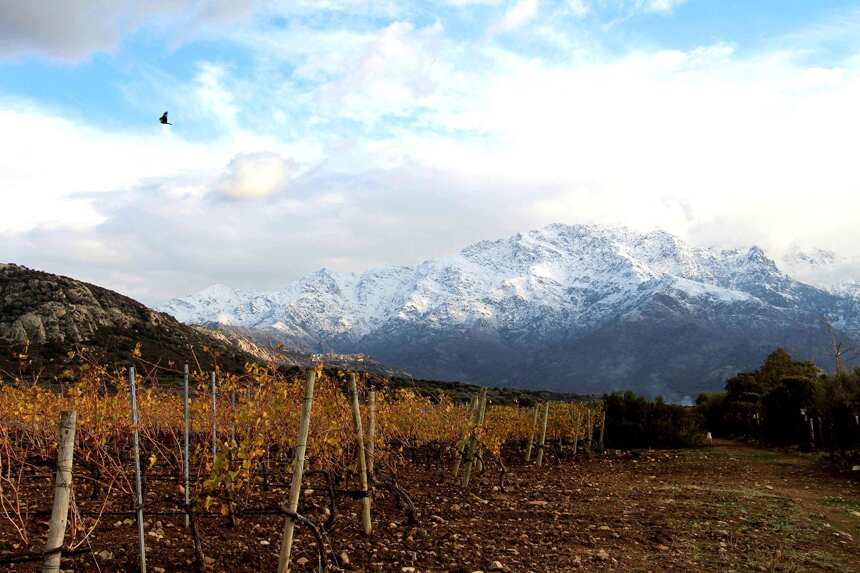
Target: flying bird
(163,119)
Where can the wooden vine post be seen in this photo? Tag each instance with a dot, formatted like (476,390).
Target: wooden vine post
(186,450)
(481,416)
(532,435)
(464,439)
(362,461)
(214,421)
(590,436)
(371,432)
(472,445)
(138,490)
(62,492)
(575,429)
(542,443)
(298,470)
(232,416)
(602,429)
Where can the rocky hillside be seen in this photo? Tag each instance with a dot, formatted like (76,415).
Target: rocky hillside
(573,308)
(43,317)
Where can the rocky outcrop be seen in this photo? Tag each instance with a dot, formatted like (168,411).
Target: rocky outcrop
(49,315)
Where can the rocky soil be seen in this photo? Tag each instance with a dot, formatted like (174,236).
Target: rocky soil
(726,508)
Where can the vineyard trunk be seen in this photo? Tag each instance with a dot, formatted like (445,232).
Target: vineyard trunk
(298,469)
(62,490)
(542,444)
(371,432)
(532,435)
(590,430)
(138,489)
(464,440)
(362,461)
(214,422)
(186,454)
(602,428)
(472,445)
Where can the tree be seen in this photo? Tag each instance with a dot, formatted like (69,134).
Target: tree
(782,421)
(840,345)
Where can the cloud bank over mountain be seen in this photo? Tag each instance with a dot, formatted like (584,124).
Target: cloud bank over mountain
(315,134)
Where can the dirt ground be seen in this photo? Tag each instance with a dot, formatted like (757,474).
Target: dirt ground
(724,508)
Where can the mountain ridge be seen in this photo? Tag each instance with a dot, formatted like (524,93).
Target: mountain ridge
(561,287)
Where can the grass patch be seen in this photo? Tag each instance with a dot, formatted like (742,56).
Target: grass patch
(764,456)
(842,503)
(698,453)
(781,523)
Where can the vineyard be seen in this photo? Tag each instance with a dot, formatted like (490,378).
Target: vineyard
(185,471)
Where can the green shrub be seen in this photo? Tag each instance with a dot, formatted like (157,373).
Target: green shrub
(636,422)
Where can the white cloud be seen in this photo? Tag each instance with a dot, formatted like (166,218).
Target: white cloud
(423,142)
(255,175)
(664,6)
(468,3)
(393,74)
(47,162)
(515,17)
(74,29)
(213,95)
(54,171)
(579,8)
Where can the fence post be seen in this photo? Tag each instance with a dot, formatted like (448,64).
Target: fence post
(472,445)
(371,432)
(137,487)
(590,430)
(542,443)
(602,428)
(532,435)
(62,490)
(362,461)
(298,469)
(186,449)
(474,404)
(232,416)
(214,421)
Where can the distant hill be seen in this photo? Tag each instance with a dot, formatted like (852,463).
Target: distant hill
(45,316)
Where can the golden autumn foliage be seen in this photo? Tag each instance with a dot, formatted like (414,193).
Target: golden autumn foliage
(257,419)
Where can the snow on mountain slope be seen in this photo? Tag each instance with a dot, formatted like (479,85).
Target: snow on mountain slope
(825,269)
(507,300)
(582,271)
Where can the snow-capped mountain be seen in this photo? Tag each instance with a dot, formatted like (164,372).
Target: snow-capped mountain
(825,269)
(579,308)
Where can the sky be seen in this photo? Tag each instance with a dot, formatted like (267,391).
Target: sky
(351,134)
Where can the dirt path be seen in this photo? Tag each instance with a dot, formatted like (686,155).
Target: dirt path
(725,508)
(770,511)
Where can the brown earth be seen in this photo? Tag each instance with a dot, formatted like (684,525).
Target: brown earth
(725,508)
